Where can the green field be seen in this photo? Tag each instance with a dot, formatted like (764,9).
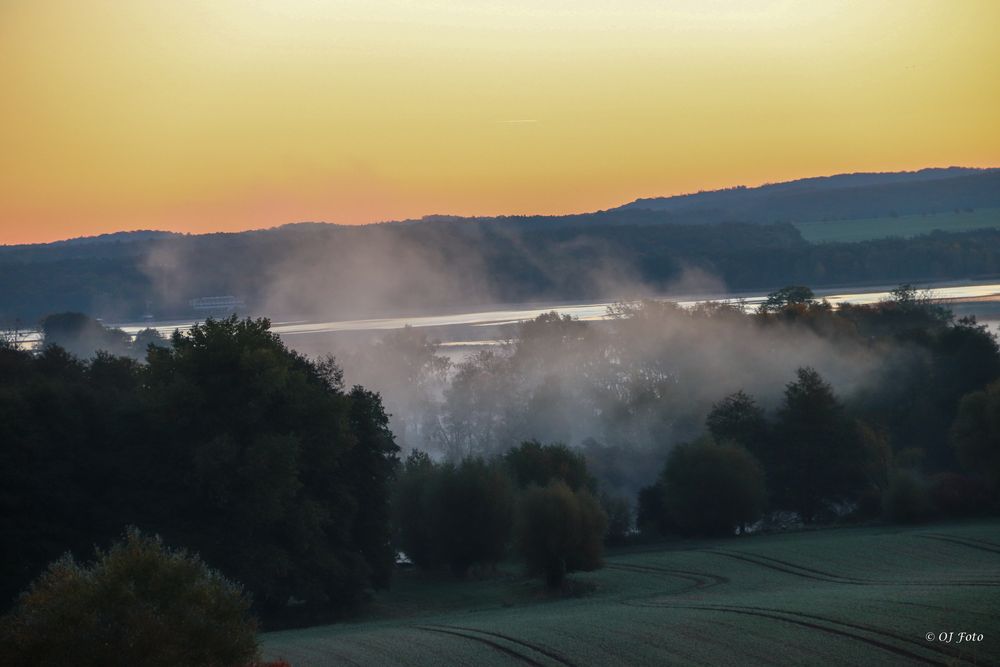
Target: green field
(861,596)
(903,226)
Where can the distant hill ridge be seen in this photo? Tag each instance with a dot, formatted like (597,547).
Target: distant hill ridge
(842,197)
(880,230)
(839,197)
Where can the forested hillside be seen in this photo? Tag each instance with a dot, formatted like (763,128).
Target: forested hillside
(729,238)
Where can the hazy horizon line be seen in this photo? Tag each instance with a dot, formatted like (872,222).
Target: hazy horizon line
(756,185)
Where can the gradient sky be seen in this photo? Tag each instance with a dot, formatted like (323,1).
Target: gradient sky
(232,114)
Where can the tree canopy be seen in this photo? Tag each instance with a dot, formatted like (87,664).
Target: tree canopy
(226,442)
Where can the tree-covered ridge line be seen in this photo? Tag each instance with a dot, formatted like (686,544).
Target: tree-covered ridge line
(318,270)
(842,197)
(937,190)
(347,273)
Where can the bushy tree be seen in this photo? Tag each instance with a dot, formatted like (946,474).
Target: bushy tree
(455,515)
(283,476)
(737,418)
(907,500)
(787,296)
(651,515)
(534,463)
(957,495)
(414,510)
(145,338)
(619,512)
(975,433)
(559,531)
(372,460)
(476,505)
(226,442)
(139,603)
(711,489)
(819,455)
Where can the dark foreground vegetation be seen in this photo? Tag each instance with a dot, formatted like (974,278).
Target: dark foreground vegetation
(139,603)
(260,461)
(225,442)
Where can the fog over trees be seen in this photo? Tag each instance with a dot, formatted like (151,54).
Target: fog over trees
(625,391)
(661,420)
(742,236)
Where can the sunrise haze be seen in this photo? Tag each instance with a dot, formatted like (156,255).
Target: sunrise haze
(222,116)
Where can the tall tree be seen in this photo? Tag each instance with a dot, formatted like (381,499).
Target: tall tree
(819,456)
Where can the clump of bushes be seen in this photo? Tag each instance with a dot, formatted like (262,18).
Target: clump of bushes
(560,531)
(138,603)
(532,463)
(957,495)
(710,489)
(467,515)
(907,500)
(975,435)
(458,516)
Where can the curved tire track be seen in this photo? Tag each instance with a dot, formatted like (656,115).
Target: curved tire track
(889,634)
(828,577)
(982,545)
(544,650)
(482,640)
(791,617)
(699,580)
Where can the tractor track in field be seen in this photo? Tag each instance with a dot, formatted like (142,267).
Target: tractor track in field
(544,650)
(790,568)
(934,648)
(950,610)
(828,577)
(972,543)
(700,580)
(806,620)
(467,633)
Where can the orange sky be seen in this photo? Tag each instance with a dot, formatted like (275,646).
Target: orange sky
(233,114)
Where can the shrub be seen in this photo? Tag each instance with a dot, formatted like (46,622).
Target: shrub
(475,507)
(957,495)
(975,434)
(619,514)
(139,603)
(534,463)
(458,516)
(559,531)
(907,499)
(413,510)
(711,489)
(651,515)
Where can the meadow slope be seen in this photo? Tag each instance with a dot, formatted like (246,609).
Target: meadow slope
(903,226)
(847,596)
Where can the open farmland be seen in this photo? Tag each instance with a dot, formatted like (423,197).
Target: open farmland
(904,226)
(850,596)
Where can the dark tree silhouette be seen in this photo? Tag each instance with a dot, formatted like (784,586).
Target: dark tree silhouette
(560,531)
(711,489)
(819,456)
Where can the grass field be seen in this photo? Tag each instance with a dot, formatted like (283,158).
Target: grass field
(904,226)
(860,596)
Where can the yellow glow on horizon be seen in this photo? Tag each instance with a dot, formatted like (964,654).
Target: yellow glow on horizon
(239,114)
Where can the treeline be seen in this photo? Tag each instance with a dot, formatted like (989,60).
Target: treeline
(327,271)
(224,442)
(842,410)
(536,501)
(710,421)
(845,196)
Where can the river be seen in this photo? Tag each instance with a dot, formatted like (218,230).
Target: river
(973,298)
